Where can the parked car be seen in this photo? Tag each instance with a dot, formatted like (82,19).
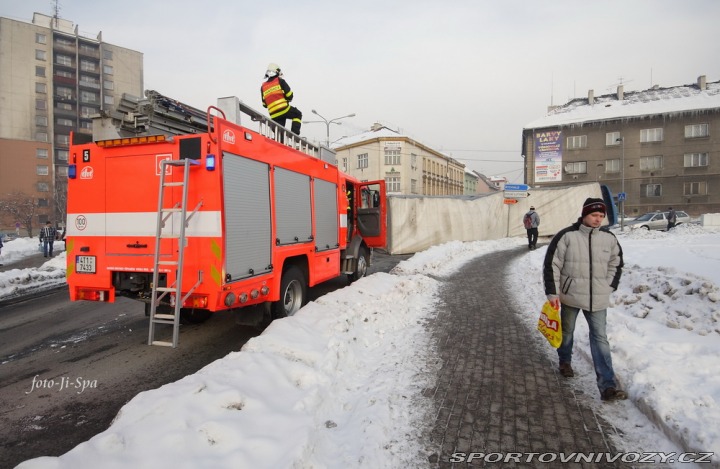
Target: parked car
(657,220)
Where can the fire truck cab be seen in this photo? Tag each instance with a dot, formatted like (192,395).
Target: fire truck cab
(193,213)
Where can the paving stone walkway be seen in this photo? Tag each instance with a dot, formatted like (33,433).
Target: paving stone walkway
(497,391)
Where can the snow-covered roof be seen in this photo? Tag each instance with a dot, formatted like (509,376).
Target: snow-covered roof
(369,135)
(650,102)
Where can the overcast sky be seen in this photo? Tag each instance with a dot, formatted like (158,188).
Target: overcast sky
(462,76)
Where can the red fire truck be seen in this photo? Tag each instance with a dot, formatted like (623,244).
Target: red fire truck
(193,213)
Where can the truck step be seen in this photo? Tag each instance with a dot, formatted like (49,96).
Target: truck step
(164,318)
(162,342)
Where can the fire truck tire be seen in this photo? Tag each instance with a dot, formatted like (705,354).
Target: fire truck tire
(194,315)
(292,293)
(361,267)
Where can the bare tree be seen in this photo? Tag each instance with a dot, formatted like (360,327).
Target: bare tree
(21,207)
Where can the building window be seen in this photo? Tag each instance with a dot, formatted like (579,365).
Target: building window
(107,54)
(392,156)
(40,54)
(613,166)
(578,141)
(651,190)
(41,121)
(43,202)
(89,81)
(579,167)
(88,97)
(86,111)
(62,170)
(650,163)
(344,164)
(39,71)
(65,122)
(612,139)
(696,159)
(392,183)
(65,106)
(65,60)
(88,49)
(62,139)
(107,69)
(413,186)
(43,187)
(41,88)
(63,92)
(62,155)
(696,130)
(413,161)
(86,124)
(108,100)
(63,41)
(43,170)
(695,188)
(87,66)
(64,73)
(40,38)
(41,152)
(41,136)
(362,160)
(651,135)
(108,85)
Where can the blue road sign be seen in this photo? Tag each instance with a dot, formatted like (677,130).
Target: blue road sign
(516,187)
(621,196)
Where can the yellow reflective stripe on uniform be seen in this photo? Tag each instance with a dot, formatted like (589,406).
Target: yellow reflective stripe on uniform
(279,113)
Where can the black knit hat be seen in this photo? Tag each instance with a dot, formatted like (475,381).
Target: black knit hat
(593,205)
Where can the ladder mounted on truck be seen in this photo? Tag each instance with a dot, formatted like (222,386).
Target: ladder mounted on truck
(163,215)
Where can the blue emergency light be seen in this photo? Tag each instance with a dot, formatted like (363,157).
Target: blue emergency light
(210,162)
(72,171)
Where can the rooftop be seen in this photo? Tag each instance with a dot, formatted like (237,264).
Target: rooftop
(656,101)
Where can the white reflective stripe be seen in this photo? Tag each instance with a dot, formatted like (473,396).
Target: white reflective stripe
(208,224)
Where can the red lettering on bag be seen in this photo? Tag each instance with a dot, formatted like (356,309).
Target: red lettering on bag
(549,323)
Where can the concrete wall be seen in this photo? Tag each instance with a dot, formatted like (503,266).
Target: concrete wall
(416,223)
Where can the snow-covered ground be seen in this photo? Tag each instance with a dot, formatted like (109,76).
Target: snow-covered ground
(338,384)
(22,281)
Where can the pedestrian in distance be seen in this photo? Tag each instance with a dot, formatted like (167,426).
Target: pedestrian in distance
(672,218)
(47,238)
(582,268)
(276,97)
(531,221)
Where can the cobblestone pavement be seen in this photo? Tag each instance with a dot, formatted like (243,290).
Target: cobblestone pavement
(497,391)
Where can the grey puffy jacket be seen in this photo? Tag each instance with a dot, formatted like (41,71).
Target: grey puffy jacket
(583,266)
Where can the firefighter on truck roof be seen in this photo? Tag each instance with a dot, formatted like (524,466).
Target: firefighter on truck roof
(276,96)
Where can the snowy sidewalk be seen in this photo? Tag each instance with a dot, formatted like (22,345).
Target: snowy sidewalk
(497,392)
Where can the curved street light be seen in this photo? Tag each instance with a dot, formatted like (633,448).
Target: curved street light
(327,123)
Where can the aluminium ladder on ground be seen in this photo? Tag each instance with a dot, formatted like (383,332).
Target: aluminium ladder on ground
(163,214)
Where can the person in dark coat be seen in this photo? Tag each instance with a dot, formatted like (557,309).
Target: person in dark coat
(47,238)
(276,97)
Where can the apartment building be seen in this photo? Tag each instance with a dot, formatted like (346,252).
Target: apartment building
(52,81)
(407,166)
(657,148)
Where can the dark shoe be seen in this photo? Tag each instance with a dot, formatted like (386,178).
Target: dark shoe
(566,370)
(612,394)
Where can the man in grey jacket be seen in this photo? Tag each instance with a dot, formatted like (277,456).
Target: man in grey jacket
(582,267)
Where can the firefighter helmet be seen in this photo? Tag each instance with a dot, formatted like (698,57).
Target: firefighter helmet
(272,70)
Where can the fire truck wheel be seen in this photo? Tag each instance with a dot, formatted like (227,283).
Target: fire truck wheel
(292,293)
(361,267)
(194,315)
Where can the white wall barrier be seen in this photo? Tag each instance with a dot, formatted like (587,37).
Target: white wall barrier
(416,223)
(710,219)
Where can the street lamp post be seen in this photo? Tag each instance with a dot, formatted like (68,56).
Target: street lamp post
(622,184)
(327,123)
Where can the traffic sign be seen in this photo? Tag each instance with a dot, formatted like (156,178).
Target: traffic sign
(515,194)
(510,201)
(516,187)
(621,196)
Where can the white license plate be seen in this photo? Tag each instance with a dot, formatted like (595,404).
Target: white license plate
(85,264)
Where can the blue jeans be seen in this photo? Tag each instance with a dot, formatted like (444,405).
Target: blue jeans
(599,345)
(48,247)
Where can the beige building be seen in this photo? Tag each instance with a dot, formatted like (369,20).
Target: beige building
(52,80)
(660,146)
(407,166)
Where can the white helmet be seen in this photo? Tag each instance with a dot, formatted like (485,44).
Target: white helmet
(272,70)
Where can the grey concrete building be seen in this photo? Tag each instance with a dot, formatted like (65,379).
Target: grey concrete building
(52,80)
(660,146)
